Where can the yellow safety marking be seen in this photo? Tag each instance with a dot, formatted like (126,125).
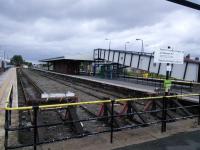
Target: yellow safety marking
(8,97)
(2,109)
(96,102)
(4,85)
(19,108)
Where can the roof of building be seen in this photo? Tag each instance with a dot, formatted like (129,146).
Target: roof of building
(68,57)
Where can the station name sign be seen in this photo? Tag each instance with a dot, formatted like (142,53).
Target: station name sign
(169,56)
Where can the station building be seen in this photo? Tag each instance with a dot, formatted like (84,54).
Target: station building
(73,65)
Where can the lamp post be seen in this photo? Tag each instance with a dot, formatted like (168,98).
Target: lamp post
(3,60)
(3,55)
(109,42)
(142,48)
(126,44)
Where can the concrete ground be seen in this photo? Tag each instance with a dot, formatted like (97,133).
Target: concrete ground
(181,141)
(123,138)
(7,79)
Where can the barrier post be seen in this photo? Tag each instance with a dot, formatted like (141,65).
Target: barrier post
(10,105)
(164,100)
(112,120)
(6,126)
(199,112)
(35,113)
(164,114)
(198,80)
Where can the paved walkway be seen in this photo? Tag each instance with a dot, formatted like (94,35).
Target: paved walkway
(181,141)
(125,138)
(120,83)
(7,79)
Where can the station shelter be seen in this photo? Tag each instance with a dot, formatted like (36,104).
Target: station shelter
(68,65)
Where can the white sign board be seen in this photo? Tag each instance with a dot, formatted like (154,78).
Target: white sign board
(169,56)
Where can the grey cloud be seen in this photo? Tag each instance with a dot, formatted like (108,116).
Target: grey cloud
(121,14)
(44,28)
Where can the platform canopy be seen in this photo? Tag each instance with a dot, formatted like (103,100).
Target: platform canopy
(69,57)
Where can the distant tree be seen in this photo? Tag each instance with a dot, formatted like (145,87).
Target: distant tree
(28,63)
(17,60)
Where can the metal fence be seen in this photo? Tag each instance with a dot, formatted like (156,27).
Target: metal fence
(165,100)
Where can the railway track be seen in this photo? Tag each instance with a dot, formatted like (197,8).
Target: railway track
(85,88)
(31,84)
(93,91)
(28,91)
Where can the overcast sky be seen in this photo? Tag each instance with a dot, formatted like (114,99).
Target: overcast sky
(40,29)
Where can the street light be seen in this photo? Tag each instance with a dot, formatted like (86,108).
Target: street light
(3,55)
(109,42)
(142,49)
(126,43)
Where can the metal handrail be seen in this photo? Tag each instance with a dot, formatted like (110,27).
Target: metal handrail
(95,102)
(8,108)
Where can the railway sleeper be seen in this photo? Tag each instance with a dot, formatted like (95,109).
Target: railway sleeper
(106,113)
(72,115)
(132,108)
(184,111)
(171,114)
(25,136)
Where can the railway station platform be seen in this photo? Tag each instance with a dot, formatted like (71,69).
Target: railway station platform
(119,83)
(7,79)
(127,84)
(115,83)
